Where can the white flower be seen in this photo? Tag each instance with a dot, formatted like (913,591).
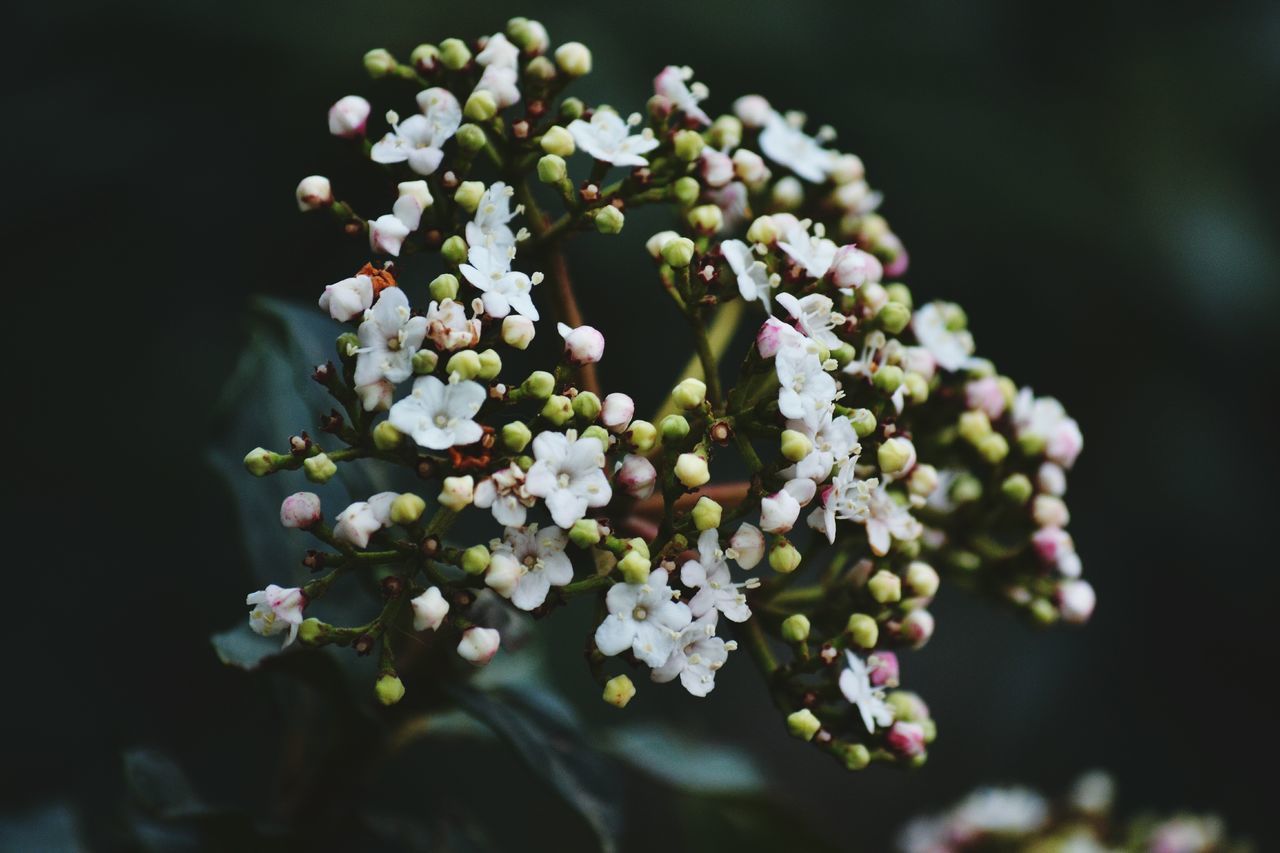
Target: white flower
(389,336)
(1044,418)
(348,299)
(697,656)
(834,441)
(505,492)
(855,684)
(413,198)
(672,84)
(775,336)
(387,233)
(814,253)
(784,143)
(419,139)
(710,575)
(429,610)
(569,475)
(847,499)
(478,645)
(752,110)
(887,518)
(852,268)
(501,82)
(504,289)
(355,524)
(857,197)
(952,350)
(865,365)
(448,327)
(642,617)
(276,609)
(440,416)
(490,227)
(348,116)
(583,345)
(499,52)
(300,510)
(541,561)
(807,391)
(779,511)
(1001,811)
(746,546)
(816,315)
(750,272)
(607,138)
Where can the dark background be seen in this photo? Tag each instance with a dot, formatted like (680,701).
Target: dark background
(1095,182)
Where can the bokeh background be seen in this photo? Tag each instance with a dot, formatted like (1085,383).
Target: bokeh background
(1095,182)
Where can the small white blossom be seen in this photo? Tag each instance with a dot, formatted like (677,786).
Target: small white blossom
(1000,811)
(348,299)
(419,139)
(855,684)
(568,473)
(807,391)
(389,336)
(851,268)
(751,274)
(448,327)
(834,440)
(490,227)
(953,350)
(697,656)
(644,618)
(848,498)
(816,315)
(504,289)
(504,491)
(541,563)
(1045,418)
(783,142)
(672,84)
(608,138)
(429,610)
(886,519)
(752,110)
(779,511)
(275,610)
(439,416)
(814,253)
(746,546)
(387,234)
(355,524)
(710,575)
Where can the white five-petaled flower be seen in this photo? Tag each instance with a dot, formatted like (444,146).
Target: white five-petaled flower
(746,546)
(808,391)
(504,491)
(275,610)
(439,416)
(710,575)
(348,298)
(951,348)
(490,227)
(750,272)
(500,59)
(568,473)
(855,684)
(540,563)
(846,499)
(672,84)
(448,327)
(608,138)
(504,289)
(419,139)
(886,520)
(783,142)
(644,618)
(389,336)
(834,440)
(816,315)
(697,656)
(387,234)
(779,511)
(813,252)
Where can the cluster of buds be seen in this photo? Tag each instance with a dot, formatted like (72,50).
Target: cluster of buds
(881,453)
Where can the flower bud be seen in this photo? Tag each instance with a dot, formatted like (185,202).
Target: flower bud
(1051,479)
(479,645)
(425,57)
(585,532)
(678,252)
(530,36)
(896,455)
(490,365)
(571,108)
(636,476)
(974,425)
(516,436)
(558,409)
(893,317)
(454,250)
(750,168)
(922,579)
(517,331)
(464,364)
(595,431)
(686,190)
(1076,600)
(783,557)
(803,724)
(885,587)
(655,244)
(259,462)
(864,630)
(706,514)
(906,739)
(706,218)
(429,610)
(994,448)
(889,378)
(643,436)
(557,141)
(917,627)
(540,385)
(319,469)
(347,117)
(917,387)
(470,136)
(923,480)
(638,544)
(690,393)
(864,422)
(386,437)
(425,361)
(674,428)
(583,345)
(795,628)
(691,470)
(503,573)
(379,63)
(407,508)
(619,690)
(617,411)
(468,195)
(389,688)
(587,406)
(688,145)
(788,194)
(300,510)
(475,560)
(634,567)
(763,230)
(376,396)
(779,511)
(552,169)
(311,631)
(454,53)
(795,445)
(1049,511)
(573,58)
(313,193)
(481,106)
(855,755)
(609,220)
(747,546)
(457,492)
(444,287)
(966,489)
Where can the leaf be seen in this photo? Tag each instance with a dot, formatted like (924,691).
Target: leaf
(692,765)
(240,646)
(159,785)
(554,748)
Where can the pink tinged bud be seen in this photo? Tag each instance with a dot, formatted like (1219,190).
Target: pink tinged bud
(300,510)
(348,116)
(752,110)
(429,610)
(771,336)
(636,476)
(882,669)
(778,512)
(314,192)
(1076,600)
(717,168)
(853,267)
(387,233)
(583,345)
(747,546)
(1051,543)
(478,645)
(1070,566)
(986,396)
(617,412)
(917,627)
(906,739)
(376,396)
(897,267)
(1064,443)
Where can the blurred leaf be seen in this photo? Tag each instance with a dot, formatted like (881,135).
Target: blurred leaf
(687,764)
(240,646)
(158,785)
(49,829)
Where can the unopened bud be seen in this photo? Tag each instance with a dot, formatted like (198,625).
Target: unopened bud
(917,627)
(594,431)
(634,567)
(795,445)
(258,462)
(558,409)
(686,190)
(471,137)
(557,141)
(889,378)
(616,411)
(573,58)
(425,361)
(923,480)
(407,508)
(678,252)
(688,145)
(319,469)
(922,579)
(469,193)
(706,514)
(540,385)
(803,724)
(690,393)
(454,53)
(706,218)
(389,688)
(636,476)
(464,364)
(855,755)
(481,106)
(478,645)
(885,587)
(609,220)
(475,560)
(864,422)
(1017,488)
(490,365)
(974,426)
(763,230)
(994,448)
(691,470)
(457,492)
(379,63)
(454,250)
(674,428)
(517,331)
(784,557)
(444,287)
(516,436)
(788,194)
(585,532)
(896,455)
(552,169)
(425,57)
(917,387)
(311,631)
(313,193)
(386,437)
(864,630)
(643,436)
(795,628)
(619,690)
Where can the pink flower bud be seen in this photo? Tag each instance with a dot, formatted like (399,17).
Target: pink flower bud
(771,336)
(882,669)
(717,168)
(1064,443)
(300,510)
(478,645)
(583,345)
(917,627)
(752,110)
(1076,600)
(636,476)
(898,266)
(348,116)
(313,193)
(986,396)
(853,267)
(387,233)
(1051,543)
(906,739)
(429,610)
(617,411)
(747,546)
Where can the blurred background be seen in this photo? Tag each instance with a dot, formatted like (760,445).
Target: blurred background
(1095,182)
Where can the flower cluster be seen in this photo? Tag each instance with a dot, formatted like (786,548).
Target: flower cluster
(882,453)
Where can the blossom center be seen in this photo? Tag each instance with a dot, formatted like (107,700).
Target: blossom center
(639,614)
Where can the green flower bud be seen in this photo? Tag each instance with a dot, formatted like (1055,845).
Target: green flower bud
(475,560)
(966,489)
(803,724)
(965,561)
(895,455)
(425,57)
(541,69)
(980,368)
(893,317)
(726,132)
(689,393)
(974,426)
(795,628)
(899,292)
(311,631)
(783,556)
(259,462)
(688,145)
(955,317)
(444,287)
(885,587)
(706,514)
(346,345)
(379,63)
(558,141)
(678,252)
(585,532)
(634,567)
(855,755)
(1008,390)
(888,378)
(490,365)
(516,436)
(571,108)
(481,106)
(386,437)
(609,220)
(686,191)
(597,432)
(425,361)
(540,385)
(573,58)
(640,546)
(454,53)
(1043,611)
(643,436)
(529,36)
(923,480)
(843,354)
(389,687)
(795,445)
(407,508)
(706,218)
(470,136)
(552,169)
(922,579)
(994,448)
(1031,444)
(909,548)
(468,194)
(917,387)
(619,690)
(864,422)
(691,470)
(674,428)
(1017,488)
(863,630)
(558,409)
(319,469)
(587,406)
(454,250)
(763,230)
(465,364)
(788,194)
